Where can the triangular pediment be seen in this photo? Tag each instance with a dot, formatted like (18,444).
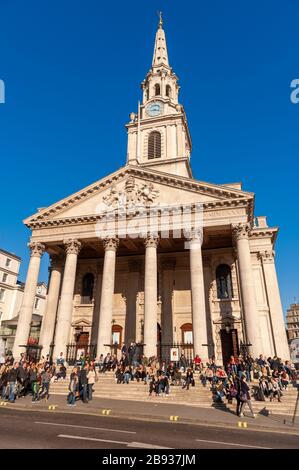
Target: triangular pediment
(146,186)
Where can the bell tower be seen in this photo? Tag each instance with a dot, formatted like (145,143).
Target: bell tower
(158,134)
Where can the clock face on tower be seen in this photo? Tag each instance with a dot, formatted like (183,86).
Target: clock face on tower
(154,109)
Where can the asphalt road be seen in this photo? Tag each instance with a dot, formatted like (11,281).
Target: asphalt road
(50,430)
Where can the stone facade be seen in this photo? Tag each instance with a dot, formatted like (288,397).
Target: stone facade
(292,320)
(216,287)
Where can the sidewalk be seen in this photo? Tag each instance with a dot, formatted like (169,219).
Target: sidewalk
(152,411)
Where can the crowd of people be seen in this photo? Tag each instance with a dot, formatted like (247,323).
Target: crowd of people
(229,382)
(25,377)
(234,381)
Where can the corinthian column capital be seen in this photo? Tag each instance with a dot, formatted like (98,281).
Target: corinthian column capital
(241,231)
(195,236)
(36,249)
(110,243)
(72,246)
(151,241)
(266,256)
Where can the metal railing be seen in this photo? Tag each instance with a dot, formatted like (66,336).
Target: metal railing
(74,350)
(171,352)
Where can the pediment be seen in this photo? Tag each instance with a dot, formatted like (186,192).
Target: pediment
(142,185)
(81,322)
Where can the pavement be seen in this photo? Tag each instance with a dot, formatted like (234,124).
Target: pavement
(53,430)
(160,412)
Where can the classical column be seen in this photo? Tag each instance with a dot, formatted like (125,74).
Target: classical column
(97,303)
(106,307)
(150,296)
(168,266)
(199,320)
(64,317)
(25,316)
(274,304)
(49,319)
(131,305)
(241,234)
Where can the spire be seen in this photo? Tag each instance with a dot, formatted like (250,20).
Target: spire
(160,51)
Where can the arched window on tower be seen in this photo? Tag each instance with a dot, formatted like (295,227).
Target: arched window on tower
(87,288)
(157,89)
(168,91)
(154,145)
(224,282)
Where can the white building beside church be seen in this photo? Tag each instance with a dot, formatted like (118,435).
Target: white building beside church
(218,293)
(11,297)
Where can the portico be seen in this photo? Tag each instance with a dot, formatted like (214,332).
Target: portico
(131,262)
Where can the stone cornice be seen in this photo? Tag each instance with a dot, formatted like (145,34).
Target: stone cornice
(179,182)
(268,232)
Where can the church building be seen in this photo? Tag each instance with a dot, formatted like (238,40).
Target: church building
(208,290)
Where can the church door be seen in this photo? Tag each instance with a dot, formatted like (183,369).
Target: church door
(229,344)
(82,343)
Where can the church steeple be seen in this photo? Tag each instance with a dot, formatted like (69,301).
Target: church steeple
(158,136)
(160,56)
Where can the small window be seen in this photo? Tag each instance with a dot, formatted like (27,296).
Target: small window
(117,335)
(2,294)
(8,262)
(168,91)
(4,278)
(224,282)
(36,303)
(154,145)
(157,89)
(187,333)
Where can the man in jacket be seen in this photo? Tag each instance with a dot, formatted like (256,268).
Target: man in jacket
(83,382)
(12,380)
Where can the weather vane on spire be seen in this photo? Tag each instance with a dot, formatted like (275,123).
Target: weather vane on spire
(160,19)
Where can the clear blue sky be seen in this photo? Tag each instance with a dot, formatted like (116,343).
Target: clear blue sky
(72,71)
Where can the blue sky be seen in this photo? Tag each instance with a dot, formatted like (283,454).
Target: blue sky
(72,71)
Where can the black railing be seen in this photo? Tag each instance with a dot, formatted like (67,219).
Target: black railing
(171,352)
(74,351)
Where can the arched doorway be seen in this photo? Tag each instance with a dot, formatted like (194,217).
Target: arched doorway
(229,344)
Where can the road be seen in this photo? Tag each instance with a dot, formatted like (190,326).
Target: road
(50,430)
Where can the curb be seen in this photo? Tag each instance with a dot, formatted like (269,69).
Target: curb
(163,419)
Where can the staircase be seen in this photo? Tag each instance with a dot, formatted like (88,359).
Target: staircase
(200,396)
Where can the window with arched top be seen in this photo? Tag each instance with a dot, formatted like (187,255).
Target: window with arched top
(168,91)
(87,288)
(157,89)
(224,282)
(154,145)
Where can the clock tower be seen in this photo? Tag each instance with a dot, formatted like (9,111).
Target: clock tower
(158,135)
